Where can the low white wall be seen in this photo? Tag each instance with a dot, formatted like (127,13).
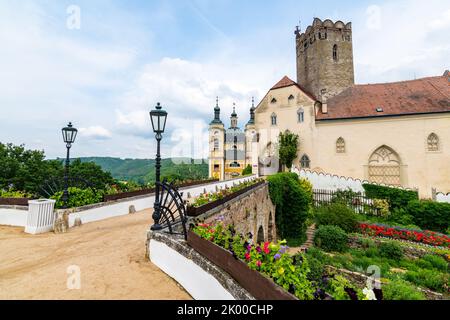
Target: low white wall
(326,181)
(196,281)
(13,217)
(110,210)
(440,197)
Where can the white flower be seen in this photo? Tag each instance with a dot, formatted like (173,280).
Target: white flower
(370,295)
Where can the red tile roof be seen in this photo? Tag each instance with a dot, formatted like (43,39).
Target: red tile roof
(287,82)
(427,95)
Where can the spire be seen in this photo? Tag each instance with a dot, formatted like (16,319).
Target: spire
(252,113)
(234,118)
(234,110)
(217,113)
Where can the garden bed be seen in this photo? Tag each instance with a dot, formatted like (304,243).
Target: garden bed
(124,195)
(14,201)
(261,287)
(197,211)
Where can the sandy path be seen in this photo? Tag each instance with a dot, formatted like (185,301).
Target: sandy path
(110,254)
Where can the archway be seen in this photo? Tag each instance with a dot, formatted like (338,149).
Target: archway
(384,166)
(270,228)
(260,238)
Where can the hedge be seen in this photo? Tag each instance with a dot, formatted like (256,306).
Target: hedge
(430,215)
(397,198)
(293,202)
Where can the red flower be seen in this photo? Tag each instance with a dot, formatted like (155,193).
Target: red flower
(247,256)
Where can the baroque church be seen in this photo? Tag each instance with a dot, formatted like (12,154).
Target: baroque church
(392,133)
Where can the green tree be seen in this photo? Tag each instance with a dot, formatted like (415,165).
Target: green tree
(24,170)
(247,171)
(288,144)
(90,172)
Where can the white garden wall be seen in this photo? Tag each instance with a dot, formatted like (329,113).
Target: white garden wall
(14,217)
(197,282)
(440,197)
(327,181)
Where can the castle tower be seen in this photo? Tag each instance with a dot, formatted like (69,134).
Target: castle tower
(216,146)
(325,58)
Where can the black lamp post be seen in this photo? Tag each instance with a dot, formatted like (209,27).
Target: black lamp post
(158,117)
(69,134)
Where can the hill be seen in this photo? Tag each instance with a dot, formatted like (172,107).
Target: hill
(143,170)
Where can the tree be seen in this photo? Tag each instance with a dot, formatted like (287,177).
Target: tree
(288,144)
(28,170)
(247,171)
(24,170)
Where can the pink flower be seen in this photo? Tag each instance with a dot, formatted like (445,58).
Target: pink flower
(258,263)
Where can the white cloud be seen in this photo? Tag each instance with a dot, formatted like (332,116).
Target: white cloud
(96,132)
(410,40)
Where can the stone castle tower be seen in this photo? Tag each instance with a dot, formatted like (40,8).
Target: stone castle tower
(325,58)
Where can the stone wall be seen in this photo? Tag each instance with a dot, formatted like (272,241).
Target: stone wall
(252,212)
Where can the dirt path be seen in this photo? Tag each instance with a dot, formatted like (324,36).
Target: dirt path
(109,253)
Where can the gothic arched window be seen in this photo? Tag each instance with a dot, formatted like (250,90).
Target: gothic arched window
(433,142)
(273,119)
(335,52)
(305,162)
(216,144)
(340,145)
(301,115)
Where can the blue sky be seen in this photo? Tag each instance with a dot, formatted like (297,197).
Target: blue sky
(128,55)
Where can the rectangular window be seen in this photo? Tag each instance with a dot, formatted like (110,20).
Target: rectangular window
(301,117)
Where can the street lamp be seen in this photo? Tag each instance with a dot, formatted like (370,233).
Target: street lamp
(158,118)
(69,134)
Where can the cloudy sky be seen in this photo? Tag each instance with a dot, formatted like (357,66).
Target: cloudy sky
(104,64)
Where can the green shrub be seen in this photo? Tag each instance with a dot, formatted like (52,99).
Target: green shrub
(331,238)
(339,215)
(391,250)
(293,204)
(436,262)
(430,215)
(430,279)
(14,194)
(78,198)
(397,198)
(247,171)
(401,290)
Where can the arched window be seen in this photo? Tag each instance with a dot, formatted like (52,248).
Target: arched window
(301,115)
(216,144)
(305,162)
(273,119)
(335,52)
(384,166)
(340,145)
(291,97)
(273,100)
(433,142)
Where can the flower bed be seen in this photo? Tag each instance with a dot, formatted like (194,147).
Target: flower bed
(208,201)
(425,237)
(259,286)
(267,271)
